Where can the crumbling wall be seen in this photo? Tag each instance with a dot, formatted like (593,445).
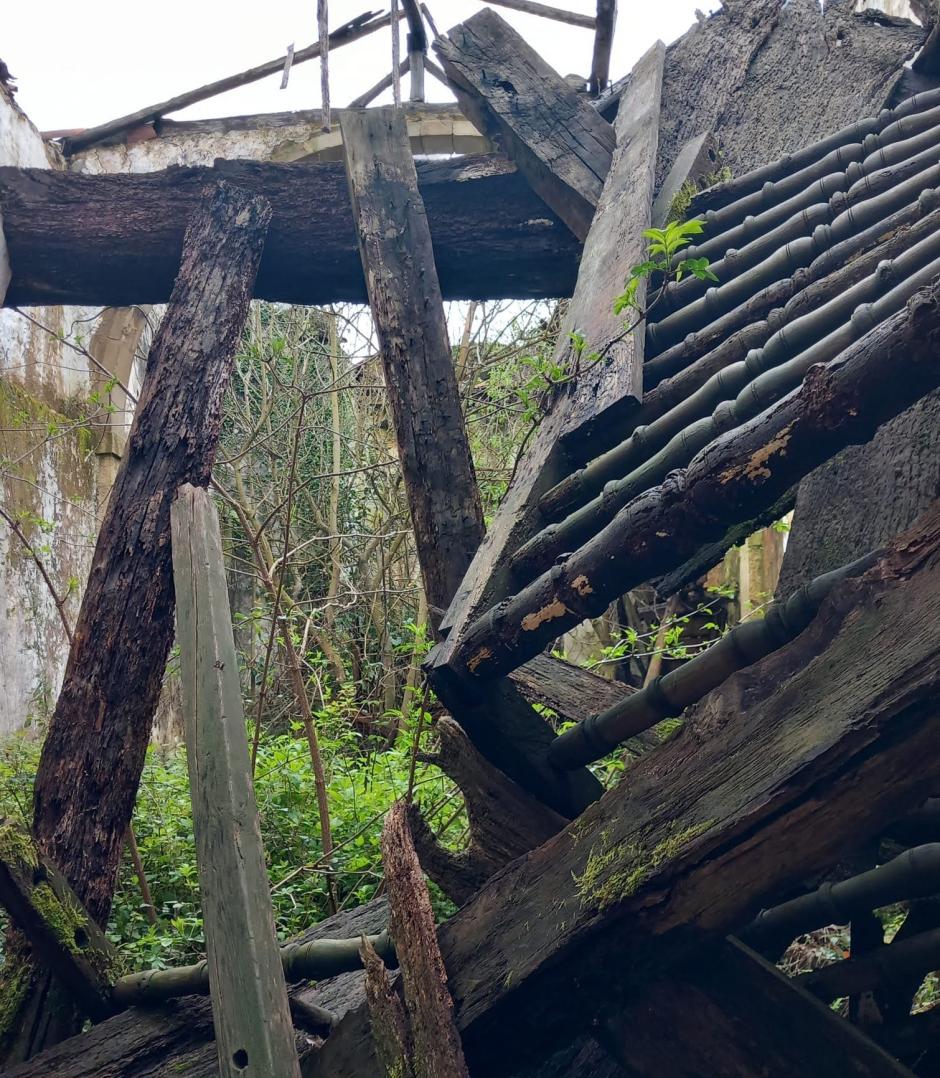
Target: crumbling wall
(47,472)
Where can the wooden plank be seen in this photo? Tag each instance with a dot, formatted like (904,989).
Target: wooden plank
(116,240)
(57,928)
(734,478)
(697,158)
(775,774)
(360,27)
(532,7)
(249,997)
(602,396)
(605,23)
(398,263)
(561,144)
(728,1012)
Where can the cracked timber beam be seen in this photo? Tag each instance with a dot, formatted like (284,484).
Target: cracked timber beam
(250,1012)
(405,297)
(560,143)
(115,240)
(739,807)
(600,396)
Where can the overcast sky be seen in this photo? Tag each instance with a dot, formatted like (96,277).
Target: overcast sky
(82,63)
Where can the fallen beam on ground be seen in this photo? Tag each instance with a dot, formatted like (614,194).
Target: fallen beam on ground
(116,240)
(775,774)
(561,144)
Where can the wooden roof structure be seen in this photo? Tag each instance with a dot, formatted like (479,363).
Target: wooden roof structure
(632,931)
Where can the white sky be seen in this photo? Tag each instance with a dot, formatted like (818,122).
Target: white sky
(81,63)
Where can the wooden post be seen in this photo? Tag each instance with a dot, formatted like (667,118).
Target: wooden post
(94,750)
(417,48)
(603,43)
(560,143)
(249,997)
(398,260)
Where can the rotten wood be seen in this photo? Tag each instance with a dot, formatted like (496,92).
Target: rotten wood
(360,27)
(405,297)
(505,822)
(774,775)
(735,477)
(252,1021)
(388,1020)
(560,143)
(436,1049)
(94,749)
(59,931)
(740,1017)
(116,240)
(605,23)
(603,395)
(177,1037)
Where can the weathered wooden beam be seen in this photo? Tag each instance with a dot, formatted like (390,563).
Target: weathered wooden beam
(360,27)
(605,23)
(774,774)
(728,1012)
(435,1044)
(697,158)
(94,749)
(731,480)
(176,1038)
(252,1021)
(417,48)
(609,391)
(405,297)
(532,7)
(116,240)
(381,86)
(59,931)
(561,144)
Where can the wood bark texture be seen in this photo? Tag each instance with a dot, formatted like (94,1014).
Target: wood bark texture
(769,78)
(249,998)
(116,240)
(405,297)
(94,750)
(436,1048)
(561,144)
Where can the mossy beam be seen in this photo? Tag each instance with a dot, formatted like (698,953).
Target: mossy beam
(61,934)
(315,960)
(668,696)
(913,874)
(801,250)
(650,426)
(740,392)
(735,478)
(724,194)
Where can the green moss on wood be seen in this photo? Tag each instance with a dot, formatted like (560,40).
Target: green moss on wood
(15,979)
(615,873)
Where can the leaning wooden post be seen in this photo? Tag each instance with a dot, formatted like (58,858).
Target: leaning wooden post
(249,997)
(405,296)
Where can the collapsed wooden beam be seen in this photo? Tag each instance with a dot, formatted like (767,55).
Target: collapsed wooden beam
(360,27)
(249,996)
(731,480)
(532,7)
(561,144)
(744,803)
(116,240)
